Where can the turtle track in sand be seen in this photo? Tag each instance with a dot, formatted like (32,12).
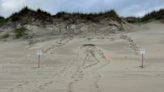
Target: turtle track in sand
(89,59)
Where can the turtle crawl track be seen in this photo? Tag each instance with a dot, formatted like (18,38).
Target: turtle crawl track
(87,61)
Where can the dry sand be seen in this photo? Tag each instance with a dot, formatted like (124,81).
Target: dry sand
(112,65)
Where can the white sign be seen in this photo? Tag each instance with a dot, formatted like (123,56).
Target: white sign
(142,51)
(39,52)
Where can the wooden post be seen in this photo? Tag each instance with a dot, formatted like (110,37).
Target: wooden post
(38,61)
(142,51)
(142,60)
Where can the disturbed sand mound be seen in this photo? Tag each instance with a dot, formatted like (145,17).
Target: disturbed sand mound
(88,45)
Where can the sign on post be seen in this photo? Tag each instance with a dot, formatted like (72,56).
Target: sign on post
(39,52)
(142,51)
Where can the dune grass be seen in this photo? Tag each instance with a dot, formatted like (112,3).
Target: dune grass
(43,15)
(93,17)
(154,15)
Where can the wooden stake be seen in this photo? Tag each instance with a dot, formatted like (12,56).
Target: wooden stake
(142,60)
(38,61)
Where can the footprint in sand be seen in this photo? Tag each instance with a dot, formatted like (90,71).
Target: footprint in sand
(112,39)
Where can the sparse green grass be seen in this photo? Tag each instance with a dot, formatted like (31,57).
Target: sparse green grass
(20,32)
(5,36)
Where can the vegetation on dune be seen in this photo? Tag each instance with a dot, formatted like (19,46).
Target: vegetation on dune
(93,17)
(42,14)
(2,19)
(154,15)
(157,15)
(5,36)
(20,32)
(28,16)
(18,15)
(133,19)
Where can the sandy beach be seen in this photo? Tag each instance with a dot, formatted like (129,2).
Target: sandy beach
(111,64)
